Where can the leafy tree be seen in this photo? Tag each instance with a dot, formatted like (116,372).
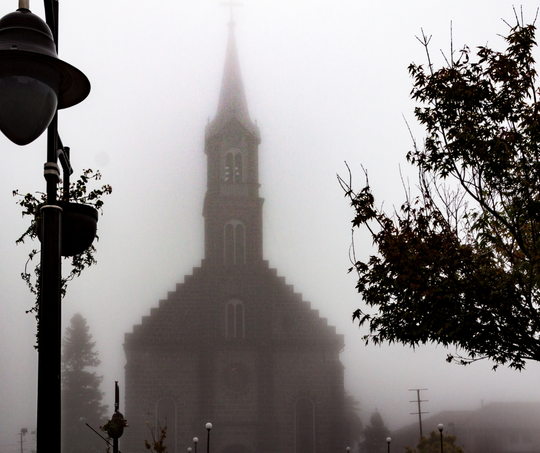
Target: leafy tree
(81,396)
(432,444)
(375,435)
(459,265)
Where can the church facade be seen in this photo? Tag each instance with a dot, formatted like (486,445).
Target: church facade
(234,345)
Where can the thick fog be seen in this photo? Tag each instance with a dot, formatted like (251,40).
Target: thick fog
(327,83)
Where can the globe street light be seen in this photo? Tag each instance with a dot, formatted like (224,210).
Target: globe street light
(195,442)
(388,440)
(34,84)
(208,428)
(440,427)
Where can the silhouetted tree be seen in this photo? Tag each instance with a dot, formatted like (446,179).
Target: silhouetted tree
(459,265)
(81,396)
(353,420)
(432,444)
(375,435)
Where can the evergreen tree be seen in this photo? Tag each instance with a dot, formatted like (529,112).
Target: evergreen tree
(375,435)
(81,396)
(352,419)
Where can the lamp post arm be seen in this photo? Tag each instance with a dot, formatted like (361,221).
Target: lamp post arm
(51,17)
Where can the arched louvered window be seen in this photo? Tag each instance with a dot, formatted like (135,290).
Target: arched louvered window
(234,319)
(233,170)
(234,243)
(228,175)
(166,418)
(238,168)
(304,414)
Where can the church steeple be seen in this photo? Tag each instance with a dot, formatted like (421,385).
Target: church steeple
(232,208)
(232,97)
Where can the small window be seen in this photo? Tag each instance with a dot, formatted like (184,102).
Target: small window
(233,170)
(234,319)
(238,168)
(228,171)
(234,243)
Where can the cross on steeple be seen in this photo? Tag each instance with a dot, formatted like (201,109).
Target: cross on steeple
(231,4)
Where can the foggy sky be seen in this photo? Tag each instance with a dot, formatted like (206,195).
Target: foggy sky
(327,83)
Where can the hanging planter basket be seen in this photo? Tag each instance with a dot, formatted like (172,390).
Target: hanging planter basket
(115,426)
(79,226)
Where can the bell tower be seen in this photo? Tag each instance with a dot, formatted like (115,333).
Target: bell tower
(232,206)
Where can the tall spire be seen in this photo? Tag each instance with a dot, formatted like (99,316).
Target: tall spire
(232,98)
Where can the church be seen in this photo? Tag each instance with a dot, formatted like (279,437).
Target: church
(234,345)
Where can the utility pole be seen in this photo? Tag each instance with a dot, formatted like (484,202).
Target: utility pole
(419,401)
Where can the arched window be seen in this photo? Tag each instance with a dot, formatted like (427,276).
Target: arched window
(233,170)
(166,418)
(304,414)
(228,171)
(235,243)
(234,327)
(238,167)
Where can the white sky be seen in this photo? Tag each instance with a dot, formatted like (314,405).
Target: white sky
(327,82)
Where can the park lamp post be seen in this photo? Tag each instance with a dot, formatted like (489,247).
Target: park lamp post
(195,442)
(208,428)
(388,440)
(440,427)
(34,84)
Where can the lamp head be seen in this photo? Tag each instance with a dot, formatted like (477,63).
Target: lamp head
(34,82)
(388,440)
(195,440)
(440,427)
(209,426)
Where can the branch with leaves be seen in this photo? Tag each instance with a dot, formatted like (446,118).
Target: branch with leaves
(459,264)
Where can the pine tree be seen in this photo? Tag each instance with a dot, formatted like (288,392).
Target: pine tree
(352,420)
(375,435)
(81,396)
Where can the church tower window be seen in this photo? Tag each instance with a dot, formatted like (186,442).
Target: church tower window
(304,413)
(238,167)
(228,174)
(234,319)
(233,169)
(235,243)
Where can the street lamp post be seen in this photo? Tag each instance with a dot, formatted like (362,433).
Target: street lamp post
(195,442)
(440,427)
(208,428)
(34,84)
(388,440)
